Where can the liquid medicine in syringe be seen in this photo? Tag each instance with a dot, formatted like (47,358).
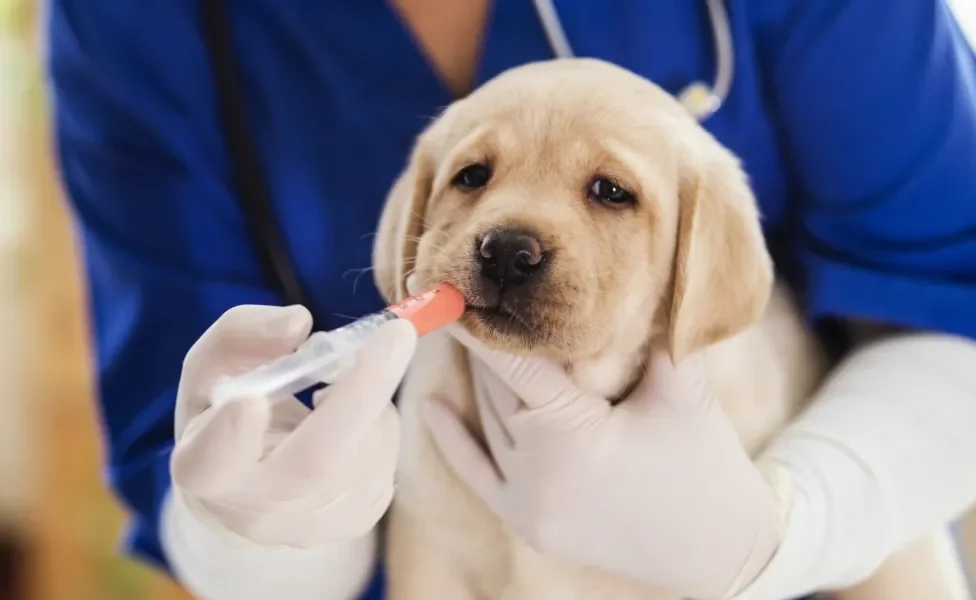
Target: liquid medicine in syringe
(325,355)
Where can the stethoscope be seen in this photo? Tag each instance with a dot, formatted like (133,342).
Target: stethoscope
(698,98)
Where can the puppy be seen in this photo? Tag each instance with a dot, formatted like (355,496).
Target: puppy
(585,216)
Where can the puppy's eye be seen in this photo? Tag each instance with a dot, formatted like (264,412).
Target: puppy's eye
(607,192)
(472,177)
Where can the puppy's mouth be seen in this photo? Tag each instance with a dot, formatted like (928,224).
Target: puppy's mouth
(500,319)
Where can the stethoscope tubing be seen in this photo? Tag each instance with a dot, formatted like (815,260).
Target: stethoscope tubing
(699,98)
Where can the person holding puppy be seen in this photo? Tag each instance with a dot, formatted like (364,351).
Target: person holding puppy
(174,120)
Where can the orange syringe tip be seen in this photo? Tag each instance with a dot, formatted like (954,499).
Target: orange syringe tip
(432,309)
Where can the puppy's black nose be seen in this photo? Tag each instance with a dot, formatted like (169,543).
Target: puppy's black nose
(509,257)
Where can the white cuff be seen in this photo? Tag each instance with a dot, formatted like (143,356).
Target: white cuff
(885,455)
(213,563)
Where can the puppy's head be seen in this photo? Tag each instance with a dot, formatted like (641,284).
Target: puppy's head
(579,209)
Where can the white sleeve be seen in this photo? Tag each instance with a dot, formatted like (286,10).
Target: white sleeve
(885,454)
(213,563)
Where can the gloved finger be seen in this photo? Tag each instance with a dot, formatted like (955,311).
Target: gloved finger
(332,473)
(494,390)
(351,499)
(368,510)
(380,452)
(463,453)
(374,506)
(220,446)
(668,386)
(347,518)
(355,498)
(252,331)
(495,404)
(243,337)
(538,382)
(286,416)
(352,405)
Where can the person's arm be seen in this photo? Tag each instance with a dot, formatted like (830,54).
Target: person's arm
(167,252)
(876,102)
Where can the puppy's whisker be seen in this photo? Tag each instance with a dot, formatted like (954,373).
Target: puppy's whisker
(390,264)
(342,316)
(420,217)
(358,275)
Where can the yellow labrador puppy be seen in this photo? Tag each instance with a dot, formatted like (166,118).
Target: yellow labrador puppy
(623,224)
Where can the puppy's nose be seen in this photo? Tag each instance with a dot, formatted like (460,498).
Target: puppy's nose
(508,257)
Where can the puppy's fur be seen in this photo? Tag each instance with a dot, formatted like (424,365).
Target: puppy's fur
(684,266)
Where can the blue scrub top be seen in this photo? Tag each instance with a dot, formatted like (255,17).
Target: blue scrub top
(855,120)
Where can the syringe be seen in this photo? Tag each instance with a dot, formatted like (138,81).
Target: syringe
(327,354)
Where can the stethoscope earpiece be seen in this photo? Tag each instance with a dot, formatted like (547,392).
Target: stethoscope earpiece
(699,98)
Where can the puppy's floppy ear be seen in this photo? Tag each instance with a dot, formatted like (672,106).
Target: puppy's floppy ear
(723,274)
(401,224)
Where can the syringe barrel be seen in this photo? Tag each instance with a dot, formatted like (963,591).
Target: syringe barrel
(326,355)
(322,358)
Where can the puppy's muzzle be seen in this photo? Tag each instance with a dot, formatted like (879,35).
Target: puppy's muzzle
(508,259)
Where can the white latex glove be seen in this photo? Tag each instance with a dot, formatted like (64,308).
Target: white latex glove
(657,488)
(286,475)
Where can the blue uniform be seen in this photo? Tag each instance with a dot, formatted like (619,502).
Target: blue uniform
(855,120)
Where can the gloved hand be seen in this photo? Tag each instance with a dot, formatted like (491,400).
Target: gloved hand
(657,488)
(287,475)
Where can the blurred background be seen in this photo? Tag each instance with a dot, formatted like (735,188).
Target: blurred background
(59,525)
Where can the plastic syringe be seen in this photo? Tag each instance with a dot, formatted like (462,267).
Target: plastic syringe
(325,355)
